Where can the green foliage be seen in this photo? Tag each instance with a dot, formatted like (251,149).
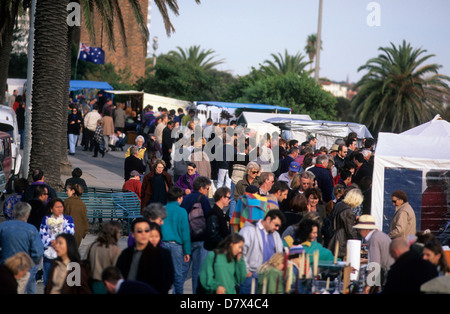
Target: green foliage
(400,91)
(196,56)
(300,93)
(182,79)
(285,64)
(18,66)
(344,110)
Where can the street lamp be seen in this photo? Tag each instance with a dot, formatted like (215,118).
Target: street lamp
(155,47)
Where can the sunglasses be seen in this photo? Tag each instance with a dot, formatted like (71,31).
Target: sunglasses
(255,172)
(145,230)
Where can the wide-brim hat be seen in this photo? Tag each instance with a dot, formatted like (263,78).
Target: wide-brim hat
(334,148)
(365,222)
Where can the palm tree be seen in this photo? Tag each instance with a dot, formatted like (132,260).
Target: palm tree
(311,48)
(283,65)
(50,84)
(198,57)
(400,91)
(49,88)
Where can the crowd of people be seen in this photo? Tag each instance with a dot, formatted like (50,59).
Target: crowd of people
(236,208)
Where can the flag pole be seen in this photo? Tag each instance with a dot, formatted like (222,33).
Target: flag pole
(76,62)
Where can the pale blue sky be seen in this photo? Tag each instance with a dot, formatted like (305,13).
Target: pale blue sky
(246,32)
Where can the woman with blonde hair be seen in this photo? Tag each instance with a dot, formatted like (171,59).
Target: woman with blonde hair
(270,275)
(343,219)
(15,267)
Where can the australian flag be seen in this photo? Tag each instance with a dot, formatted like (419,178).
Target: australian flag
(92,54)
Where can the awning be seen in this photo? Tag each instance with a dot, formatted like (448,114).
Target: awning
(78,85)
(124,92)
(333,128)
(242,105)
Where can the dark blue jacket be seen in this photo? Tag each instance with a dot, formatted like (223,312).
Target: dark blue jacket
(191,199)
(324,182)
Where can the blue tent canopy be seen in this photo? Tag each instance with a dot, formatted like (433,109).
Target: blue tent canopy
(77,85)
(239,105)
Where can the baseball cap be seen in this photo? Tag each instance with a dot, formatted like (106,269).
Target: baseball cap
(294,166)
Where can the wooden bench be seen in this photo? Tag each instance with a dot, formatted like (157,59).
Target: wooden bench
(123,206)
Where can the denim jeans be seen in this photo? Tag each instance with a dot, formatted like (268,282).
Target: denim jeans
(232,201)
(31,284)
(176,250)
(246,286)
(47,264)
(73,138)
(197,256)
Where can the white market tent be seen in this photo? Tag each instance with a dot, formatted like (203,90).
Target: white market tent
(257,121)
(402,162)
(326,132)
(154,100)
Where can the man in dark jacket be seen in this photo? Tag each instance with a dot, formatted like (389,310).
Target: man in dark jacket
(167,142)
(362,168)
(38,179)
(323,177)
(409,270)
(144,262)
(201,187)
(217,220)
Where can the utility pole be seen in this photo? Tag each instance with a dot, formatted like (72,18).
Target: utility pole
(319,39)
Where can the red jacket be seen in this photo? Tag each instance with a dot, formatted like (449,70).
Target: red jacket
(133,185)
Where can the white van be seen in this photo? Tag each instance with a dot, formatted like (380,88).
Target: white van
(8,124)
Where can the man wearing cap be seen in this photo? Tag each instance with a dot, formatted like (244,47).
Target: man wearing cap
(378,253)
(133,184)
(287,177)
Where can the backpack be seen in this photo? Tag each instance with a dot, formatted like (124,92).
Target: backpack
(197,221)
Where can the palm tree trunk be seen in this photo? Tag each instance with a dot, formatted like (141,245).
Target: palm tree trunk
(66,166)
(49,88)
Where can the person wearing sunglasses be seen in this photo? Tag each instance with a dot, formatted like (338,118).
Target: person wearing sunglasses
(217,221)
(251,177)
(143,261)
(186,181)
(403,222)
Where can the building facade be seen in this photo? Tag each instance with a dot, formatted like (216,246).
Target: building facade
(132,59)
